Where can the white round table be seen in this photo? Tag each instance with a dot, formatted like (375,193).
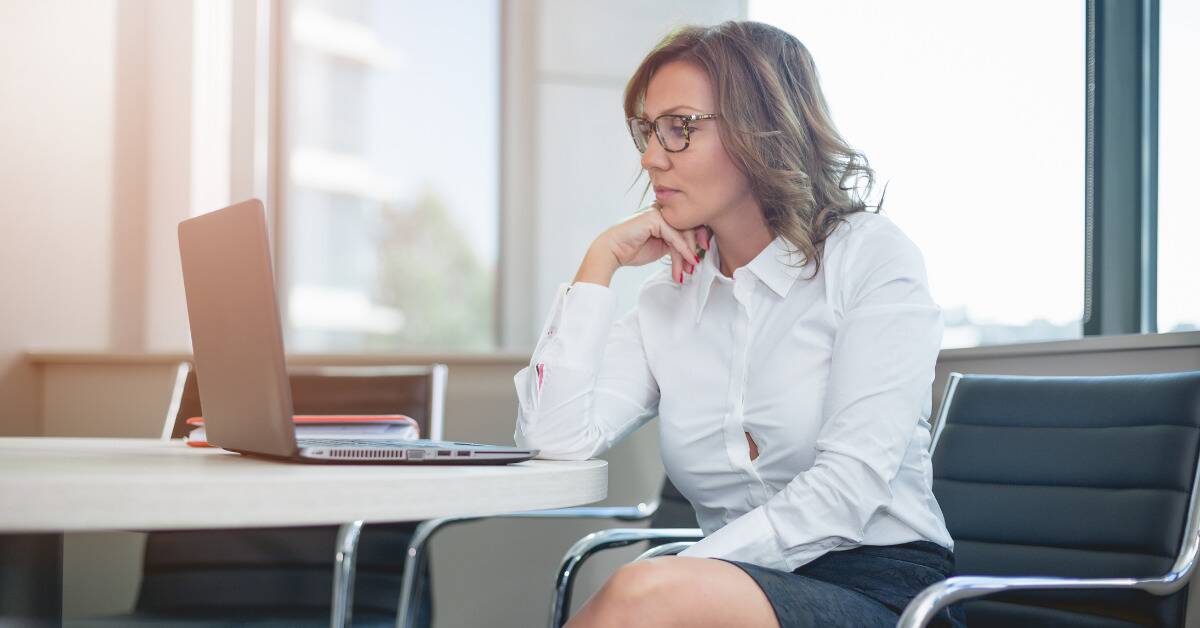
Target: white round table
(49,486)
(78,484)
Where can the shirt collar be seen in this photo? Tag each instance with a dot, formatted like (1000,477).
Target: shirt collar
(777,266)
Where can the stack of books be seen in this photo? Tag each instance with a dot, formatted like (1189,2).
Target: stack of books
(382,426)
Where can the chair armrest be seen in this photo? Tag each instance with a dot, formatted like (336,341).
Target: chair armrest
(669,549)
(598,541)
(418,546)
(921,610)
(642,511)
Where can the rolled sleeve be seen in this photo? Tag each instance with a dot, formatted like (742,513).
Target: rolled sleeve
(750,538)
(588,384)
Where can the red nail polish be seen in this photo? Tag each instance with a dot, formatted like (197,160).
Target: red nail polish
(697,258)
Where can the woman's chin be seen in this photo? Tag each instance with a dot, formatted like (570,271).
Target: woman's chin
(678,219)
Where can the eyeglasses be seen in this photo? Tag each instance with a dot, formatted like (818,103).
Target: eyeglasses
(674,131)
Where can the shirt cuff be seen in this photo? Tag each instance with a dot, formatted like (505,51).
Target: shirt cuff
(578,328)
(749,539)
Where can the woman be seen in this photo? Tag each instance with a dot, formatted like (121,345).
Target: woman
(790,368)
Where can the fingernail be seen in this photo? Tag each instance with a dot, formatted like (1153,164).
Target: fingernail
(697,258)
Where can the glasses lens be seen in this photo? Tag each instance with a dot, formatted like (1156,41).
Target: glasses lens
(673,133)
(640,130)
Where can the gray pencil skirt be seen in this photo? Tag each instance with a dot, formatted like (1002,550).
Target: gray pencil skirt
(865,586)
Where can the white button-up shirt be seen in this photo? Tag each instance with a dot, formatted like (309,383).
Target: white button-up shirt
(830,375)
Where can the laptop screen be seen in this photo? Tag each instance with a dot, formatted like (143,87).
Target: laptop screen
(237,338)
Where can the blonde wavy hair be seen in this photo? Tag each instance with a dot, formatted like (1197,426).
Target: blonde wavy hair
(775,126)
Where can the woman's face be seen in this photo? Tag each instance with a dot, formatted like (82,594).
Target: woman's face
(700,184)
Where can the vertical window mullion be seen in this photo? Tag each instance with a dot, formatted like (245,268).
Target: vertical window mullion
(1121,195)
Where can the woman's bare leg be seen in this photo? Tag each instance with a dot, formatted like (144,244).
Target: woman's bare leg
(678,591)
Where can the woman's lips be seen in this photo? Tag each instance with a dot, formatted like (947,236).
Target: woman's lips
(664,193)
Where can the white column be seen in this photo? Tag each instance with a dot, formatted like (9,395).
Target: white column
(568,159)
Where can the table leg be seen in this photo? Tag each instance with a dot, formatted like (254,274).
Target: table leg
(31,580)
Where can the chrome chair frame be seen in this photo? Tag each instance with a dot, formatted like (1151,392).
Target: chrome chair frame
(418,548)
(346,550)
(667,549)
(181,374)
(921,610)
(344,560)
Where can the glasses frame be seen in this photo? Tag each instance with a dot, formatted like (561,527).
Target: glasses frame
(686,119)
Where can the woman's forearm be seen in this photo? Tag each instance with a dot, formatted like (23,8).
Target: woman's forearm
(598,266)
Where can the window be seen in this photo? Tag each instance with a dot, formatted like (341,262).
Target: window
(1178,136)
(974,115)
(391,175)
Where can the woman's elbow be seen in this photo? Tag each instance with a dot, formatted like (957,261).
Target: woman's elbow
(556,448)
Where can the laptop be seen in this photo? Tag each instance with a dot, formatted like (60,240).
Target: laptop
(237,342)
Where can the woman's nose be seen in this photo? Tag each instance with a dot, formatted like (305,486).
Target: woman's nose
(655,157)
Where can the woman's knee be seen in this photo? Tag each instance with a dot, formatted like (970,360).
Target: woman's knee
(640,584)
(643,578)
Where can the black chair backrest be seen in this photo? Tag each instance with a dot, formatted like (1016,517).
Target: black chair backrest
(1086,477)
(674,510)
(287,572)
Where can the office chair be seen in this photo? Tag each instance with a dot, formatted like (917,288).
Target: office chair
(1072,502)
(285,576)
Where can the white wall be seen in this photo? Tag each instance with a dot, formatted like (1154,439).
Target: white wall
(56,188)
(100,138)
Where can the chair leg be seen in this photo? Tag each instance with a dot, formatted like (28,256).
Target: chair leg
(414,564)
(343,574)
(564,582)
